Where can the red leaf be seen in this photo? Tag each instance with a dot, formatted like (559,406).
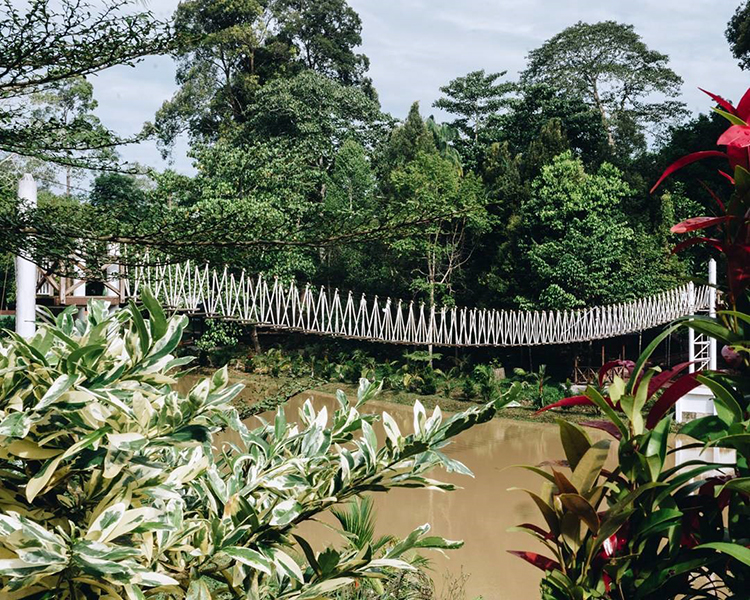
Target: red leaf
(676,391)
(659,380)
(738,156)
(727,176)
(727,106)
(713,195)
(698,240)
(686,160)
(743,108)
(695,223)
(737,136)
(571,401)
(607,426)
(536,529)
(607,367)
(539,561)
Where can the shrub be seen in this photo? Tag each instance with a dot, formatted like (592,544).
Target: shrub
(111,489)
(219,341)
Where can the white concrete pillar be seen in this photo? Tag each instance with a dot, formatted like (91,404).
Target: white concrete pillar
(25,269)
(113,272)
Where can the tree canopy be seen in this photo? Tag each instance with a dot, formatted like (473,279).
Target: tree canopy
(738,35)
(46,45)
(609,66)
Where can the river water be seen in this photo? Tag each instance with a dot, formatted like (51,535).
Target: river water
(480,513)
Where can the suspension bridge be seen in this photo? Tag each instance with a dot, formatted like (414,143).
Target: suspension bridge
(231,294)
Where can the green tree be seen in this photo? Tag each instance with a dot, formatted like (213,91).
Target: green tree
(324,34)
(71,104)
(608,66)
(475,99)
(574,240)
(405,142)
(234,47)
(535,105)
(438,253)
(738,34)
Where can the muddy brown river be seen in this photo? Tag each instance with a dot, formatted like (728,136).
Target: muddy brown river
(480,513)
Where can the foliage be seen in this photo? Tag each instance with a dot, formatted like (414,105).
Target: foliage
(438,254)
(733,220)
(476,100)
(232,50)
(111,487)
(71,104)
(571,241)
(638,530)
(646,529)
(738,34)
(219,340)
(50,46)
(608,65)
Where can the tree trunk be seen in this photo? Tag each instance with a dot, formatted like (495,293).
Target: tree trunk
(254,338)
(605,120)
(432,303)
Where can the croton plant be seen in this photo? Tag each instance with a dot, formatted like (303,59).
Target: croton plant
(657,526)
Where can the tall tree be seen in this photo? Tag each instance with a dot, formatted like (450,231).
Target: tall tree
(611,68)
(738,34)
(233,47)
(574,239)
(46,43)
(325,34)
(534,106)
(474,98)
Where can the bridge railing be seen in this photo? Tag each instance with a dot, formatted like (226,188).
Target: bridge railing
(285,305)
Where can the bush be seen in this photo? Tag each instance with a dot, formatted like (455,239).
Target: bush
(219,342)
(111,489)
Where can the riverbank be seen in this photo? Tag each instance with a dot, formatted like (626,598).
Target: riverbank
(264,392)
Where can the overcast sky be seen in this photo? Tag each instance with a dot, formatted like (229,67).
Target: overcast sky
(415,46)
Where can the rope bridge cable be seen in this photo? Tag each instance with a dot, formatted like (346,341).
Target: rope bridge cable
(271,303)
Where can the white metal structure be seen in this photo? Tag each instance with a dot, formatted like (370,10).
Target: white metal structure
(702,356)
(285,305)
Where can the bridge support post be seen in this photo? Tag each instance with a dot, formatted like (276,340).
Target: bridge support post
(25,269)
(702,355)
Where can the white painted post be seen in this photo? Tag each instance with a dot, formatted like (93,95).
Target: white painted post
(25,269)
(113,274)
(79,292)
(712,311)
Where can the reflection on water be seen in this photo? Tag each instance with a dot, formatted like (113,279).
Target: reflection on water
(479,514)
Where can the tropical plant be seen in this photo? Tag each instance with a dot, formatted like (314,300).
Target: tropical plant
(637,531)
(111,487)
(733,218)
(219,341)
(646,529)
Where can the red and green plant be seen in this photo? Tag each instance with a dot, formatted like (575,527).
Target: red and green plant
(656,525)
